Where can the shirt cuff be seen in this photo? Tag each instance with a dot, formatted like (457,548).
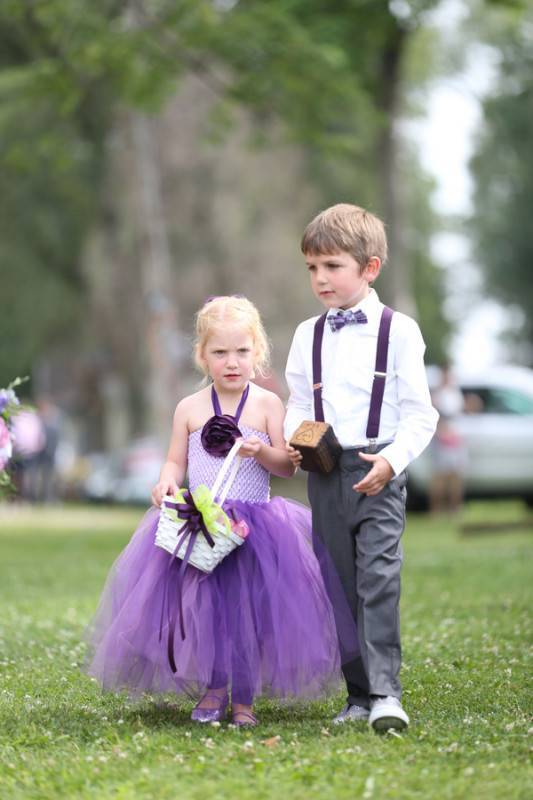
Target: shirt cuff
(395,457)
(292,422)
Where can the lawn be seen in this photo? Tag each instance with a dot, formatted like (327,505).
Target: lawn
(466,625)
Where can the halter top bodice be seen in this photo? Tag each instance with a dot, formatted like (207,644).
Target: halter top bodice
(252,483)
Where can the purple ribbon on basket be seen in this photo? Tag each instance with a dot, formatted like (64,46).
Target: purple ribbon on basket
(193,525)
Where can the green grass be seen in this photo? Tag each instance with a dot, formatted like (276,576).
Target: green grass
(466,632)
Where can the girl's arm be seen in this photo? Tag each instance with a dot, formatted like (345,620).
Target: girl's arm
(175,466)
(273,457)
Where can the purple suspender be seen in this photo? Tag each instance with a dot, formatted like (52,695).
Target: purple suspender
(317,367)
(380,372)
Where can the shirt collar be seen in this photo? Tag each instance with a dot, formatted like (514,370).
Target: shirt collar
(368,304)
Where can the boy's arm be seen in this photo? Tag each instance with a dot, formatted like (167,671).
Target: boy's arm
(418,418)
(300,403)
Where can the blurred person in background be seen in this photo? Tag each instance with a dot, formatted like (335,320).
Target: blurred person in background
(448,450)
(36,435)
(51,417)
(28,442)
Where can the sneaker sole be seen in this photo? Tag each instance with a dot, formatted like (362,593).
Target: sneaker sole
(383,724)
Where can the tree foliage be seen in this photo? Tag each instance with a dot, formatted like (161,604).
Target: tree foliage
(503,172)
(67,67)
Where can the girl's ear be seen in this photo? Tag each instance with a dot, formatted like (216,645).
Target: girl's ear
(200,359)
(256,359)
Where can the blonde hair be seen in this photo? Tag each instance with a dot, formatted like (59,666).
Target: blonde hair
(349,229)
(219,311)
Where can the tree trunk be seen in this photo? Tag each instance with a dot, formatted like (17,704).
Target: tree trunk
(162,339)
(396,288)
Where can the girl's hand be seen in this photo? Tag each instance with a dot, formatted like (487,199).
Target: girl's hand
(294,455)
(163,488)
(251,447)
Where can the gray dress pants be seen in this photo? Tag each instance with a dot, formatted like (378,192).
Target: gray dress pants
(362,535)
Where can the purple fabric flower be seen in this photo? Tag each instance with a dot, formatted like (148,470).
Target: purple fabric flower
(4,399)
(219,434)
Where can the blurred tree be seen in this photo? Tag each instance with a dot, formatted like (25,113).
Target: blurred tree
(331,71)
(503,170)
(334,72)
(420,223)
(52,127)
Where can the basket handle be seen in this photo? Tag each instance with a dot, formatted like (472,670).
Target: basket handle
(230,468)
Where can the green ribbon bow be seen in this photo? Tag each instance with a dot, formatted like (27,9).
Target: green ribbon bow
(214,517)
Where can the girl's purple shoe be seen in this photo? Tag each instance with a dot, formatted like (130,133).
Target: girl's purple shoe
(244,719)
(211,714)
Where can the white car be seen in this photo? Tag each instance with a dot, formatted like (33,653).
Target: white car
(126,476)
(498,434)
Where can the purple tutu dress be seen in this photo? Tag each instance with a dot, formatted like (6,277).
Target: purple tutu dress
(261,623)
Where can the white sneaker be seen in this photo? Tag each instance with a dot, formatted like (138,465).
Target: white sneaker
(387,712)
(351,713)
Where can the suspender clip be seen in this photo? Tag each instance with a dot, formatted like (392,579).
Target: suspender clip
(380,374)
(372,445)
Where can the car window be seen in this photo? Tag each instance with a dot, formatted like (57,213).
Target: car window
(500,401)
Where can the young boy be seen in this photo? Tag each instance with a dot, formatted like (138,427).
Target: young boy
(338,375)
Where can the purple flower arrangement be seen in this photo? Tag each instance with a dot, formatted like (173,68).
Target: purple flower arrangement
(9,406)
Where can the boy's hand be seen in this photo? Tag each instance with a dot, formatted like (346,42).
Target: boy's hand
(294,455)
(379,475)
(251,447)
(163,488)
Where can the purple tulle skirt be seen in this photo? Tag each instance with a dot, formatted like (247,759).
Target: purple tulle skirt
(263,623)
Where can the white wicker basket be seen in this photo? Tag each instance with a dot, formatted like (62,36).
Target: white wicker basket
(202,556)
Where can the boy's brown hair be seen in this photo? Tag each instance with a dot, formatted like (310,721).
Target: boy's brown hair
(349,229)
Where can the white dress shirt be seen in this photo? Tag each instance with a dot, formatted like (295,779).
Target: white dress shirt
(408,419)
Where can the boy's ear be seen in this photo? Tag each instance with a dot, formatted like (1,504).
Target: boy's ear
(372,269)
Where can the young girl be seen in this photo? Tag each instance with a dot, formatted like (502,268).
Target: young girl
(261,622)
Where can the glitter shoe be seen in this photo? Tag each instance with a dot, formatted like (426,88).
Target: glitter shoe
(211,714)
(244,719)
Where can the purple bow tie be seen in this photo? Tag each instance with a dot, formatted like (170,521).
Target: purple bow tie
(340,319)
